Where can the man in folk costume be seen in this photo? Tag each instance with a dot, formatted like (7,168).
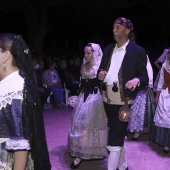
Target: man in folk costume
(123,71)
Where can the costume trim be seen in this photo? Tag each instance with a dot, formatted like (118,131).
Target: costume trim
(7,98)
(22,144)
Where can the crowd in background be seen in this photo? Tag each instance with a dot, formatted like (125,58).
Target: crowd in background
(55,74)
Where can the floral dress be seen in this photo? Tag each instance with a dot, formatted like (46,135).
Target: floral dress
(143,108)
(87,137)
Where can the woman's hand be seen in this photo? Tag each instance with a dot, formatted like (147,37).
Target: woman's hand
(102,75)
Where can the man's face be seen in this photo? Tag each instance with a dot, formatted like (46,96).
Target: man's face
(120,32)
(63,64)
(34,62)
(53,66)
(77,62)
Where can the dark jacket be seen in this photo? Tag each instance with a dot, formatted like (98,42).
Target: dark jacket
(133,66)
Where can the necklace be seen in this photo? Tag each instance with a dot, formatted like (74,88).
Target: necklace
(88,66)
(87,71)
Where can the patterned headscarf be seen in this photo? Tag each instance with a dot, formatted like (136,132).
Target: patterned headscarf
(125,22)
(128,24)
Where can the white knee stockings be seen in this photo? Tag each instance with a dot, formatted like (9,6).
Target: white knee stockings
(117,158)
(113,157)
(122,161)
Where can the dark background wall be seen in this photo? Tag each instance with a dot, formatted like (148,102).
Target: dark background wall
(65,24)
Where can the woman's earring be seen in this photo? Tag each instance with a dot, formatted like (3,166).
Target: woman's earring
(4,67)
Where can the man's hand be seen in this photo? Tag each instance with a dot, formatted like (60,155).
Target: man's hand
(132,84)
(102,75)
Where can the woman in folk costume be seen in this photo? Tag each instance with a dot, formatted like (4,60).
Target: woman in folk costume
(160,130)
(87,138)
(20,108)
(159,62)
(142,108)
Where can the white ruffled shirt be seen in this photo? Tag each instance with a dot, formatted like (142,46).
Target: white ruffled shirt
(112,76)
(116,62)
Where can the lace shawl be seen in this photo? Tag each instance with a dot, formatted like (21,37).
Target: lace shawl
(7,90)
(97,56)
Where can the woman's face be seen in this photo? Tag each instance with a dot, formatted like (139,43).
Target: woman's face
(53,66)
(2,55)
(168,56)
(88,54)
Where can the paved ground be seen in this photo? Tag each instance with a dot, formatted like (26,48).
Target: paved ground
(141,155)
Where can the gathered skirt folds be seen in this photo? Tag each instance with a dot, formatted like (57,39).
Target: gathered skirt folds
(142,111)
(87,138)
(160,129)
(160,135)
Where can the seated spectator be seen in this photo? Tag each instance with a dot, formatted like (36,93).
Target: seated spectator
(46,60)
(66,77)
(76,67)
(44,92)
(52,80)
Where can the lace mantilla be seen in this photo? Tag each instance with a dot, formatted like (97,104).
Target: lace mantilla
(97,56)
(87,75)
(7,98)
